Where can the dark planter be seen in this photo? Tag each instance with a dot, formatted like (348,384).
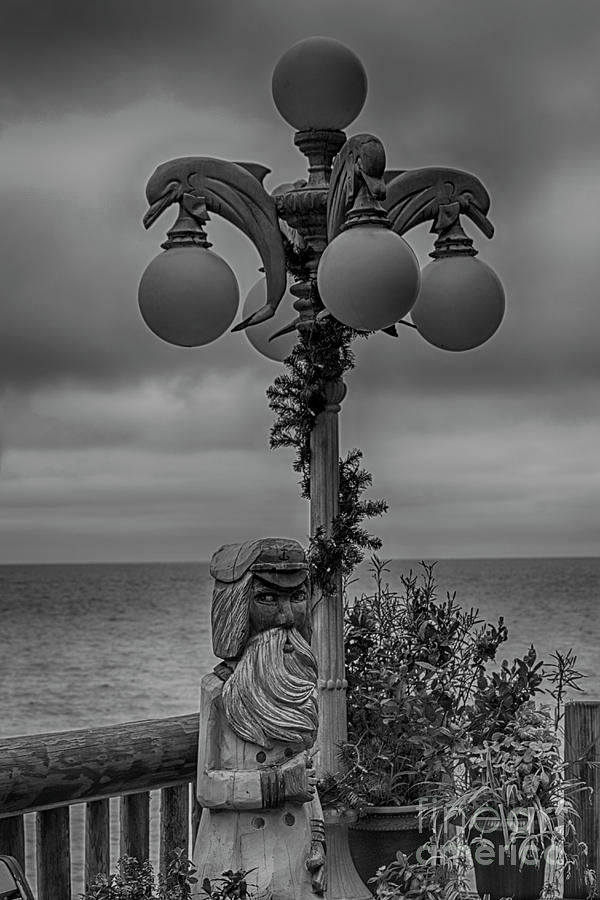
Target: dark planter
(498,871)
(380,832)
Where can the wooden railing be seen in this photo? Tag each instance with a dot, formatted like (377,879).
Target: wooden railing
(45,774)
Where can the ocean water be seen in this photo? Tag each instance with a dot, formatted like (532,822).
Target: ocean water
(90,645)
(86,645)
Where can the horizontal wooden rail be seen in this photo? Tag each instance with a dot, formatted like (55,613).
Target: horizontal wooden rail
(45,771)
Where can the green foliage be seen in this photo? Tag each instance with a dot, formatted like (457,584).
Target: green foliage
(343,549)
(515,779)
(297,395)
(231,886)
(135,880)
(432,714)
(323,354)
(441,876)
(413,665)
(562,676)
(501,693)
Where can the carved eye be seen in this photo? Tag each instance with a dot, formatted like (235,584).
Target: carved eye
(267,598)
(298,596)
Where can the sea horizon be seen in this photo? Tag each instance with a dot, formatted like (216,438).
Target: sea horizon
(429,559)
(137,634)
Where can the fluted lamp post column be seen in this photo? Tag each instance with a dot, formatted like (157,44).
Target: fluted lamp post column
(346,220)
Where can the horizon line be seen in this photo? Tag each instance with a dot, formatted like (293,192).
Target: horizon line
(391,559)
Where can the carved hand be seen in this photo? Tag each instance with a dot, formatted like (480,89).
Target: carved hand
(299,778)
(317,858)
(317,866)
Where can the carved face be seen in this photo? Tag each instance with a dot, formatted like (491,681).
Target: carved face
(275,606)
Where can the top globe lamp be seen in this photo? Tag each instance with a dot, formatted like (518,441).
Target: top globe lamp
(368,277)
(319,83)
(188,296)
(460,304)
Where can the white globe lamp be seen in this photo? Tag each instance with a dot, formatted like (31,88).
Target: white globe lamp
(461,303)
(368,277)
(188,296)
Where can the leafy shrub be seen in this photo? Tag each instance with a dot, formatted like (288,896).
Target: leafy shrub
(427,699)
(441,877)
(231,886)
(416,672)
(135,880)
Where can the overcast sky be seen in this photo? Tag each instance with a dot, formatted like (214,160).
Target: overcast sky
(115,446)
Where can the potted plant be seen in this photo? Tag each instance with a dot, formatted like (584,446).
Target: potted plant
(412,662)
(511,793)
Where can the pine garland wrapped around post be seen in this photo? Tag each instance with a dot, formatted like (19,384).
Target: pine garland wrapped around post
(323,353)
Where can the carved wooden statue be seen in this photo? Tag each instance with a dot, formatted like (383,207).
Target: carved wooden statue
(258,721)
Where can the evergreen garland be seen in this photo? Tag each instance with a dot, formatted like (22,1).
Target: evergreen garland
(323,353)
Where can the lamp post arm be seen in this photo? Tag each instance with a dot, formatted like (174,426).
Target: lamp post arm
(235,192)
(437,194)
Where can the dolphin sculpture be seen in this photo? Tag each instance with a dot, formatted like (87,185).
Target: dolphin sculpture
(234,191)
(359,166)
(419,195)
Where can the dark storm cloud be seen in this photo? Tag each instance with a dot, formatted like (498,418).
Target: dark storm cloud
(69,310)
(100,56)
(97,55)
(104,421)
(506,90)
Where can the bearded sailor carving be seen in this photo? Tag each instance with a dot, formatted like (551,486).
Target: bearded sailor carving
(258,723)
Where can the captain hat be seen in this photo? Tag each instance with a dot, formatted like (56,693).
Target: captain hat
(280,562)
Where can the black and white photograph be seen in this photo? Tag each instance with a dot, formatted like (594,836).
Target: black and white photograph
(299,429)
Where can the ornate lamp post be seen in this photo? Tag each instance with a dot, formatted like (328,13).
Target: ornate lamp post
(346,223)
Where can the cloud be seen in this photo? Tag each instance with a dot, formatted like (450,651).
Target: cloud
(108,432)
(73,194)
(160,415)
(125,503)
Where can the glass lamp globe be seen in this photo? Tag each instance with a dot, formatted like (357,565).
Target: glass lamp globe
(259,335)
(188,296)
(368,277)
(461,303)
(319,83)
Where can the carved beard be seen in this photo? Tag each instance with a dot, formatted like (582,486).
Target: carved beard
(272,695)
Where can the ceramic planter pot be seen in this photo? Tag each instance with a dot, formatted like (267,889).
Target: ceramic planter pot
(380,832)
(498,871)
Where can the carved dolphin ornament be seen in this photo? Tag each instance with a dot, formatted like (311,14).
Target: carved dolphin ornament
(235,192)
(360,165)
(438,194)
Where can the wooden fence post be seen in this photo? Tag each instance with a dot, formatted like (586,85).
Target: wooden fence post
(12,838)
(53,854)
(174,823)
(135,826)
(97,840)
(582,753)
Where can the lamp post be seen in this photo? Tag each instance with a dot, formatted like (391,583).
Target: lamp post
(346,221)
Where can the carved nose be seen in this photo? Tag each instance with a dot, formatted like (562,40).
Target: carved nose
(285,617)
